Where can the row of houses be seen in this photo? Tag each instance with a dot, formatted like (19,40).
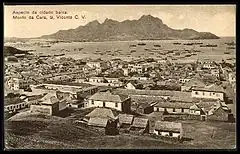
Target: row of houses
(217,111)
(13,105)
(157,101)
(104,119)
(172,102)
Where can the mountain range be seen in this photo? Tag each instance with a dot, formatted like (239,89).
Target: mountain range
(145,28)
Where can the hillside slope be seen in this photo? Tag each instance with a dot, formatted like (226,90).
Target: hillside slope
(145,28)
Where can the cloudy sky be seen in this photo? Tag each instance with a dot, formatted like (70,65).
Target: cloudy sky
(217,19)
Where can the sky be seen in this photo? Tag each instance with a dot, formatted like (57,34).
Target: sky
(217,19)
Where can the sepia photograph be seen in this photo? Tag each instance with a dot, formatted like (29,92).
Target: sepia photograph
(119,76)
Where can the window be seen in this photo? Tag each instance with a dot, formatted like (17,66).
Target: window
(170,134)
(174,110)
(92,102)
(157,109)
(116,104)
(104,104)
(213,93)
(196,93)
(182,110)
(203,93)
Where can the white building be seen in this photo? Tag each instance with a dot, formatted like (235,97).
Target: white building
(184,80)
(209,66)
(195,110)
(208,92)
(172,107)
(139,78)
(108,100)
(168,129)
(96,79)
(49,105)
(94,64)
(112,80)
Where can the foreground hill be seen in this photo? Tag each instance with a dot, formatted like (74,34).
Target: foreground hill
(34,131)
(145,28)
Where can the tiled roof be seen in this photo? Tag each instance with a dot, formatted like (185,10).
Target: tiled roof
(107,96)
(195,83)
(176,105)
(99,122)
(101,113)
(216,88)
(144,98)
(168,126)
(95,77)
(50,98)
(35,97)
(217,106)
(183,98)
(140,122)
(195,107)
(125,118)
(150,92)
(211,88)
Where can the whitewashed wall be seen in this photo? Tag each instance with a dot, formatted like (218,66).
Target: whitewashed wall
(205,94)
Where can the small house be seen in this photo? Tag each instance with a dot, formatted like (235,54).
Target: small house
(125,122)
(139,126)
(49,105)
(196,110)
(168,129)
(209,66)
(106,99)
(96,79)
(112,80)
(183,80)
(104,120)
(14,104)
